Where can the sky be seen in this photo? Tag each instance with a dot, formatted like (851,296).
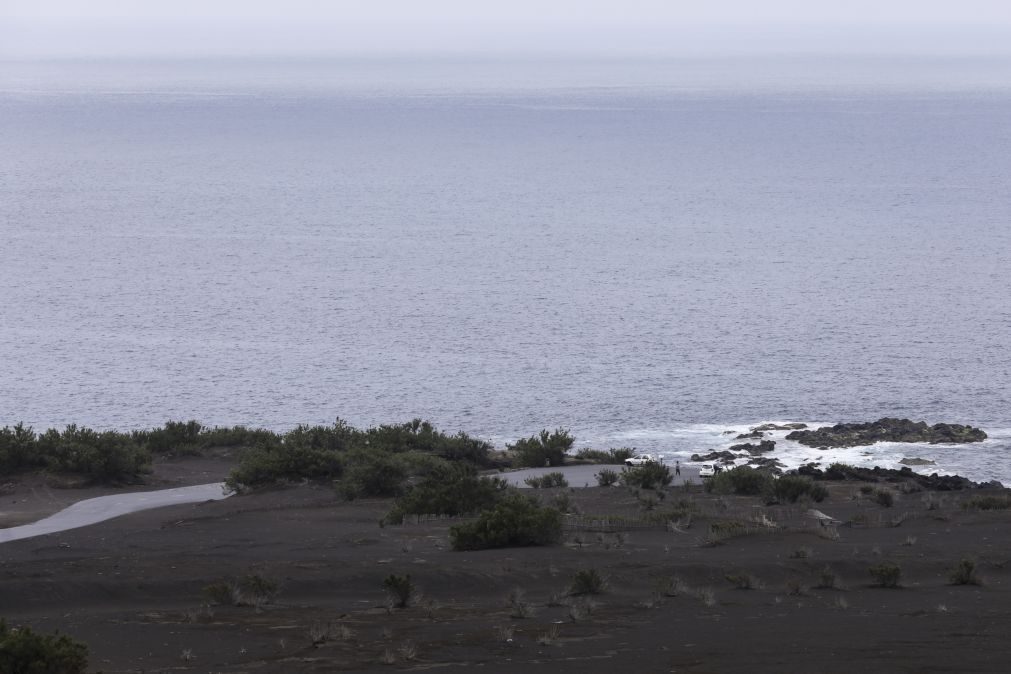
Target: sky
(189,28)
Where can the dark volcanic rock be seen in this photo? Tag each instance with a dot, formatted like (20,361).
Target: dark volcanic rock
(917,462)
(753,435)
(723,457)
(887,430)
(774,427)
(766,463)
(761,448)
(933,482)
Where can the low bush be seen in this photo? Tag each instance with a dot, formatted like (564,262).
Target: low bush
(884,498)
(450,489)
(987,503)
(742,480)
(107,456)
(224,593)
(615,456)
(964,573)
(256,590)
(606,477)
(828,579)
(647,476)
(516,521)
(547,481)
(24,651)
(400,590)
(587,581)
(790,488)
(545,449)
(372,473)
(886,574)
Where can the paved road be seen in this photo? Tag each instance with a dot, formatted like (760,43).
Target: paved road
(93,510)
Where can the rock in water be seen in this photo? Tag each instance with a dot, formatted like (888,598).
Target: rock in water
(917,462)
(753,449)
(887,430)
(793,426)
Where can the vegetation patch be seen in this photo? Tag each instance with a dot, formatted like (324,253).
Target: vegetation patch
(886,574)
(650,475)
(614,456)
(965,573)
(24,651)
(607,477)
(790,488)
(587,581)
(448,489)
(544,449)
(400,590)
(547,481)
(741,480)
(987,503)
(516,521)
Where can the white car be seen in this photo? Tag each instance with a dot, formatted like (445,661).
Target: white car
(707,470)
(642,459)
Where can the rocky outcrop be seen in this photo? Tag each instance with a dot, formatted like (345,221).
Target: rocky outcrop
(753,435)
(722,457)
(775,427)
(917,462)
(766,463)
(886,430)
(933,482)
(763,447)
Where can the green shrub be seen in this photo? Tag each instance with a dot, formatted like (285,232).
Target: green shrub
(175,437)
(987,503)
(108,457)
(545,449)
(587,581)
(516,521)
(828,580)
(884,498)
(256,589)
(790,488)
(18,451)
(866,489)
(607,477)
(24,651)
(547,481)
(267,464)
(236,436)
(371,473)
(742,480)
(452,489)
(400,589)
(650,475)
(886,574)
(223,592)
(964,573)
(614,456)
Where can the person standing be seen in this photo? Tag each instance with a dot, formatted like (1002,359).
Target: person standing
(677,467)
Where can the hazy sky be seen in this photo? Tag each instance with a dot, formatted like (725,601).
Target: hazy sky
(44,28)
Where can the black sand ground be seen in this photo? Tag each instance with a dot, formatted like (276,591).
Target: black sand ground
(132,589)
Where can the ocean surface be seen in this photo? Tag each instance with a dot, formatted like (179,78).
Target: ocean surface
(647,253)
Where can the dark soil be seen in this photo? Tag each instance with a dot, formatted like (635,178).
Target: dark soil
(132,588)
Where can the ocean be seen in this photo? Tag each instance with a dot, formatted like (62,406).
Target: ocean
(646,253)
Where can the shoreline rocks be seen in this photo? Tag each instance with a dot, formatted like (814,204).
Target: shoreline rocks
(762,447)
(932,482)
(887,430)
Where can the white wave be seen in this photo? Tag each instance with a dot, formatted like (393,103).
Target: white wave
(981,462)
